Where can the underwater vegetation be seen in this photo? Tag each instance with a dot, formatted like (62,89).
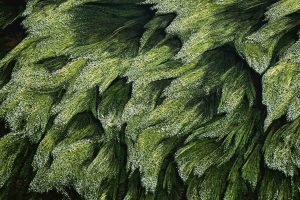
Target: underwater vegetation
(149,99)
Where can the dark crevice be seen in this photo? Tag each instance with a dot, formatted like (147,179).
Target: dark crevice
(262,173)
(54,63)
(291,36)
(15,3)
(22,173)
(257,83)
(120,148)
(73,194)
(4,128)
(277,124)
(170,160)
(98,98)
(260,16)
(256,80)
(123,80)
(12,35)
(162,84)
(59,95)
(255,77)
(7,73)
(160,34)
(134,181)
(48,127)
(123,176)
(51,195)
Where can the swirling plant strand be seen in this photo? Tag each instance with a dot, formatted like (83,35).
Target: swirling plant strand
(150,99)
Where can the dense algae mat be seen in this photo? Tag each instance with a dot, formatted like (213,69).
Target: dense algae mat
(155,99)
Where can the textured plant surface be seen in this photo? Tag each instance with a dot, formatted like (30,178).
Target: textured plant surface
(150,99)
